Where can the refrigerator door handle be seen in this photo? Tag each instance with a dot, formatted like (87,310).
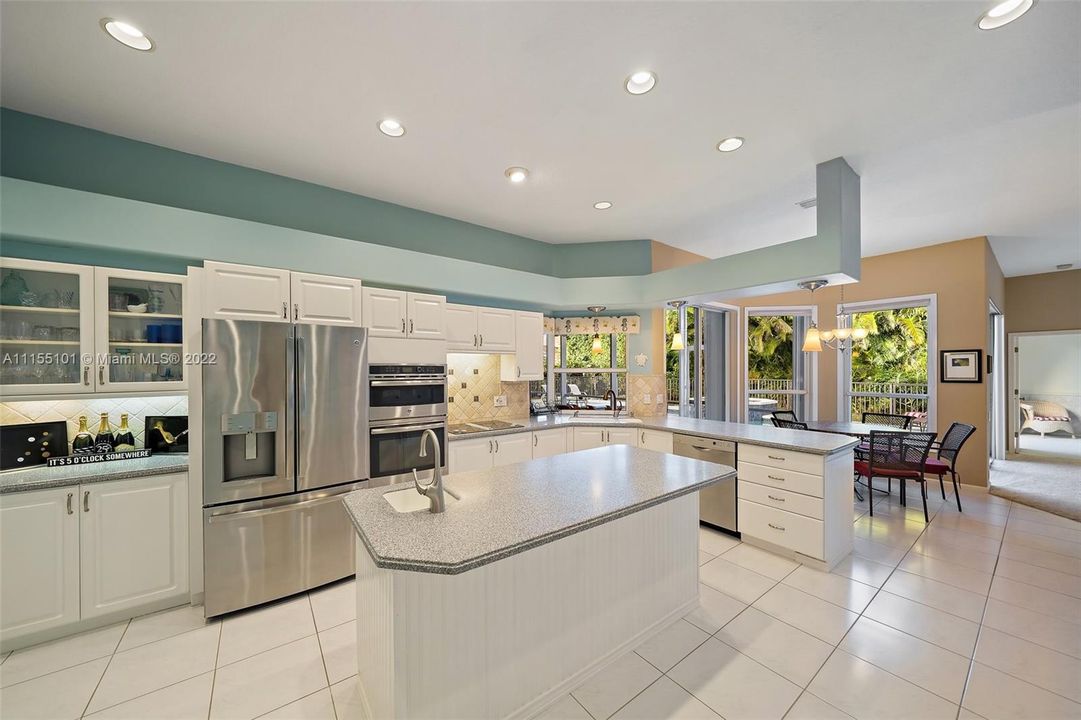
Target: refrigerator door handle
(292,409)
(228,516)
(299,399)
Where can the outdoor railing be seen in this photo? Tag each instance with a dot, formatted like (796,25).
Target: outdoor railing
(891,398)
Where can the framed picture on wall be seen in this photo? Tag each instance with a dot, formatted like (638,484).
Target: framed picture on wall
(961,366)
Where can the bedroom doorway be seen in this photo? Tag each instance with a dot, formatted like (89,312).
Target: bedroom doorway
(1045,393)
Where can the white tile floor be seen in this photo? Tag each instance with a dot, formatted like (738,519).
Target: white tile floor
(975,615)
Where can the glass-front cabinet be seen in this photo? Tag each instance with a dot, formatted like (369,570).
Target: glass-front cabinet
(78,329)
(139,330)
(46,328)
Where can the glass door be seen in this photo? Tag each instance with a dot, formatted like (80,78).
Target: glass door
(779,375)
(46,328)
(701,367)
(140,333)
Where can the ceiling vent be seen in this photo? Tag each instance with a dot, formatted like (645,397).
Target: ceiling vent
(1064,266)
(808,204)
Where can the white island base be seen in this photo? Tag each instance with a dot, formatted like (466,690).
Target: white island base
(511,637)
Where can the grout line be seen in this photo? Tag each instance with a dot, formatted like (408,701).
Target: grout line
(107,664)
(319,644)
(214,670)
(296,700)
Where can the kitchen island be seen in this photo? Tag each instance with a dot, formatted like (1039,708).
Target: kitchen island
(538,574)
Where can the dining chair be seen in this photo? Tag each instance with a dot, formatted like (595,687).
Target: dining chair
(790,424)
(946,460)
(903,422)
(785,415)
(900,456)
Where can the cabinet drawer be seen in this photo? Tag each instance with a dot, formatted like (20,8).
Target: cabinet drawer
(781,499)
(787,459)
(781,479)
(795,532)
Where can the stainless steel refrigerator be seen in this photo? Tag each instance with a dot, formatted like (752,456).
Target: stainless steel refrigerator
(285,434)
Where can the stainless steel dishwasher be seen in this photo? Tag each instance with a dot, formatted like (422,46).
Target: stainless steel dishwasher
(717,502)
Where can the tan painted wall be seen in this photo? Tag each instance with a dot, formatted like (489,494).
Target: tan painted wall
(957,272)
(666,257)
(1048,301)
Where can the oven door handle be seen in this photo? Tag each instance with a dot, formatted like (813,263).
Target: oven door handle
(405,428)
(386,383)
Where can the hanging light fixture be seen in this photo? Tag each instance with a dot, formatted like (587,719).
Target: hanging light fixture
(597,348)
(677,336)
(838,338)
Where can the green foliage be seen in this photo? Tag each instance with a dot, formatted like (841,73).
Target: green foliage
(580,351)
(896,348)
(769,345)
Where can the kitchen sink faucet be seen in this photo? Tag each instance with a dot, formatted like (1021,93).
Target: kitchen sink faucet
(437,502)
(616,407)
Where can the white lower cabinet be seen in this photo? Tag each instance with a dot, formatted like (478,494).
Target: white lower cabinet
(85,551)
(586,438)
(658,440)
(468,455)
(547,443)
(510,449)
(133,542)
(39,561)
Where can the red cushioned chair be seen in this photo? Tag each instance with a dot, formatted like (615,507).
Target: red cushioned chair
(903,422)
(897,456)
(947,452)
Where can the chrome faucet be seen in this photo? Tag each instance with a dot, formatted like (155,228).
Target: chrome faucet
(616,407)
(437,502)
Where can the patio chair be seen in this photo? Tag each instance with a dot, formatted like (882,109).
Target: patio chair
(790,424)
(785,415)
(900,456)
(946,460)
(898,421)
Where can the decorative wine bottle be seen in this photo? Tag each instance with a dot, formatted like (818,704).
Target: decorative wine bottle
(104,441)
(84,441)
(124,439)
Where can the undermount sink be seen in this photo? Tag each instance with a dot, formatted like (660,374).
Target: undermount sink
(409,500)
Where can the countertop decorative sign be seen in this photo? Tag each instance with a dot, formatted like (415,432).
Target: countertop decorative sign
(98,457)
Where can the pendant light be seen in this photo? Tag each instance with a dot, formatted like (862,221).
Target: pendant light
(597,348)
(677,336)
(836,339)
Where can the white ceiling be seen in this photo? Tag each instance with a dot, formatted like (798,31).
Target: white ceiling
(955,132)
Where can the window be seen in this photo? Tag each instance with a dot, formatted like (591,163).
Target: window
(696,376)
(892,371)
(779,375)
(583,377)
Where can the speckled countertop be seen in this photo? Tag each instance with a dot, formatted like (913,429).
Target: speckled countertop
(41,477)
(510,509)
(816,443)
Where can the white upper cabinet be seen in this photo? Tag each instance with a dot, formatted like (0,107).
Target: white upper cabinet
(495,330)
(396,313)
(326,300)
(47,313)
(133,542)
(39,559)
(427,316)
(527,363)
(462,328)
(242,292)
(384,312)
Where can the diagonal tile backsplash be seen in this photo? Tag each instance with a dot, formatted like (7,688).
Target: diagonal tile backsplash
(69,410)
(472,386)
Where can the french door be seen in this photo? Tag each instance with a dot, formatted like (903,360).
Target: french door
(778,374)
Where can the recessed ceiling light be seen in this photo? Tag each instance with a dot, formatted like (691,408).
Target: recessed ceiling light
(1004,13)
(641,82)
(391,127)
(516,175)
(602,205)
(729,144)
(127,34)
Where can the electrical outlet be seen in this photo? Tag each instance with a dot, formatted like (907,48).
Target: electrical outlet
(647,399)
(500,400)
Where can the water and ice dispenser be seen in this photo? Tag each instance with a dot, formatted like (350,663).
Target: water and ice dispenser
(249,442)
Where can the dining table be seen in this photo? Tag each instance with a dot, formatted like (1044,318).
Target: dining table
(855,429)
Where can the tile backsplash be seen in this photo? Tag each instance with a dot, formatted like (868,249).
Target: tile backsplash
(638,386)
(472,386)
(137,408)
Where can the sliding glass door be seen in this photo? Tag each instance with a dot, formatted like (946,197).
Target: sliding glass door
(779,376)
(697,374)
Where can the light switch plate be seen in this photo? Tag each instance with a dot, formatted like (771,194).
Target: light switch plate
(500,401)
(647,399)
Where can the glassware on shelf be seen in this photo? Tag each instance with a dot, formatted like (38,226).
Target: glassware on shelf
(66,299)
(69,334)
(51,299)
(155,302)
(23,329)
(44,332)
(12,287)
(28,298)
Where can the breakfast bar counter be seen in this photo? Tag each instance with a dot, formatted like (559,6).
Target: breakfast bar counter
(536,575)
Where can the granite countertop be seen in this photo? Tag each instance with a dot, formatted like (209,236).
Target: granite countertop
(42,477)
(817,443)
(512,508)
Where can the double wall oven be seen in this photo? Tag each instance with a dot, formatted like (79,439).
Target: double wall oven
(404,401)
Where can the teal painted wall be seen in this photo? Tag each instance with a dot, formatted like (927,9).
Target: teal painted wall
(55,153)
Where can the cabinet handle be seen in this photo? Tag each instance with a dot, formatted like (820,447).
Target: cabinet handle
(774,477)
(497,446)
(86,376)
(534,441)
(86,501)
(285,311)
(71,496)
(491,448)
(643,437)
(774,457)
(482,341)
(101,374)
(777,499)
(519,371)
(296,311)
(410,327)
(776,527)
(403,326)
(474,339)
